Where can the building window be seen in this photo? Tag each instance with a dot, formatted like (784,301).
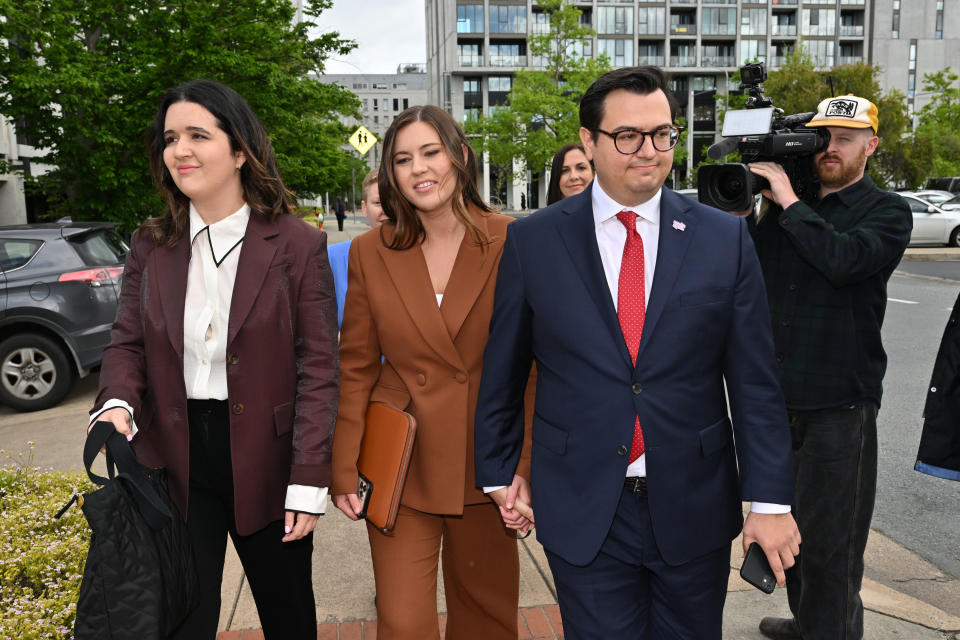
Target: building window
(896,5)
(938,31)
(704,83)
(651,20)
(650,53)
(406,103)
(508,19)
(753,50)
(540,23)
(753,22)
(507,55)
(500,83)
(821,51)
(912,65)
(470,18)
(619,51)
(375,104)
(717,54)
(468,55)
(895,32)
(615,20)
(818,22)
(719,21)
(471,114)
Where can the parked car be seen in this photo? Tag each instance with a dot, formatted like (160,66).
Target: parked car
(947,184)
(931,224)
(933,196)
(951,204)
(59,284)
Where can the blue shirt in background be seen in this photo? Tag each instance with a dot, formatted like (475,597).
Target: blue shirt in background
(338,255)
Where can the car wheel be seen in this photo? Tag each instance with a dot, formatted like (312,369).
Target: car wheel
(35,373)
(954,238)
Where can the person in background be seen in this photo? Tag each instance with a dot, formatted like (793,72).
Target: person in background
(338,253)
(826,263)
(939,453)
(421,295)
(340,210)
(222,364)
(570,172)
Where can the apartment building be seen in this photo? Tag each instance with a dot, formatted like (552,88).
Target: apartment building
(382,97)
(474,46)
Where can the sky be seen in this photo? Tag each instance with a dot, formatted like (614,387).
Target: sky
(387,33)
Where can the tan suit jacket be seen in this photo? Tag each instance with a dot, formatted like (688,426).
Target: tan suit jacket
(432,361)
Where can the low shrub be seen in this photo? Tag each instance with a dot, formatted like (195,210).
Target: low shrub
(41,559)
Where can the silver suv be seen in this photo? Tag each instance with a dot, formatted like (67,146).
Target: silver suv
(59,284)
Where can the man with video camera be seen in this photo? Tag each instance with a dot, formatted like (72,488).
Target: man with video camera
(826,262)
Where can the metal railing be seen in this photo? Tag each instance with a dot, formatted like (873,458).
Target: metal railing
(683,29)
(653,61)
(683,61)
(783,29)
(855,30)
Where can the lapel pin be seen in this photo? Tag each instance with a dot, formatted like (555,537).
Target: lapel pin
(679,226)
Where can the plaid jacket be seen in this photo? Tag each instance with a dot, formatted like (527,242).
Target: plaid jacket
(826,266)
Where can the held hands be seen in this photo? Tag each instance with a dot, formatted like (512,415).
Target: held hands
(120,418)
(780,191)
(514,502)
(777,535)
(349,503)
(297,524)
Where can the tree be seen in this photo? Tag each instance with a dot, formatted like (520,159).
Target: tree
(82,79)
(937,122)
(542,113)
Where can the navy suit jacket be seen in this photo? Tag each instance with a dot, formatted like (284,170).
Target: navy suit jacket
(707,330)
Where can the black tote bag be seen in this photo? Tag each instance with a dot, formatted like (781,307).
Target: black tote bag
(139,581)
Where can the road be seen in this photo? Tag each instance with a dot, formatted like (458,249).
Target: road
(920,512)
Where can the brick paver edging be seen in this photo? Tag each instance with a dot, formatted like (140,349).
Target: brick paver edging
(533,623)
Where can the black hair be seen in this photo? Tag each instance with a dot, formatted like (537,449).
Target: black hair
(642,80)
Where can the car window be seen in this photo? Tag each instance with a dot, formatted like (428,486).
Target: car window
(917,205)
(15,252)
(100,248)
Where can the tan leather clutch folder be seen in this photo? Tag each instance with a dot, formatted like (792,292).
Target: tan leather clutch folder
(384,458)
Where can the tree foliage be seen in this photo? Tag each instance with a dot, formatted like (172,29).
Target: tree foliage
(937,122)
(82,80)
(542,113)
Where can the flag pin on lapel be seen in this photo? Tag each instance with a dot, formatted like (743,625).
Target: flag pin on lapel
(679,226)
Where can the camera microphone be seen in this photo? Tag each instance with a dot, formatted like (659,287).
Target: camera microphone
(718,150)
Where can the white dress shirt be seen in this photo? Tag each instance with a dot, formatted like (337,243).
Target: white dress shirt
(214,256)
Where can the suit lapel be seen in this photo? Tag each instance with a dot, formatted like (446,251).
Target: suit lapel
(170,274)
(408,273)
(673,244)
(256,254)
(578,232)
(471,270)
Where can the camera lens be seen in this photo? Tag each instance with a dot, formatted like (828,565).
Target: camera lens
(728,187)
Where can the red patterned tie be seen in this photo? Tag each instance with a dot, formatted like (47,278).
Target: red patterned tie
(631,304)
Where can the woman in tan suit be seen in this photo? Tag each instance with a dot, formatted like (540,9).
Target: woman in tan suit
(421,295)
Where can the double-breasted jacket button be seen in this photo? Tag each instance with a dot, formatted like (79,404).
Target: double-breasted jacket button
(421,379)
(237,408)
(637,388)
(622,450)
(461,377)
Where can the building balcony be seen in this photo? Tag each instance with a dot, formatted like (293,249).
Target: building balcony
(781,3)
(783,30)
(778,61)
(718,61)
(857,3)
(851,31)
(470,61)
(508,61)
(683,61)
(683,1)
(652,61)
(851,59)
(683,29)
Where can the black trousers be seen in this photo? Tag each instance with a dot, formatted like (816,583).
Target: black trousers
(279,573)
(835,479)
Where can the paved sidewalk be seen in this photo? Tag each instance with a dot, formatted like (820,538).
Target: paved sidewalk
(906,597)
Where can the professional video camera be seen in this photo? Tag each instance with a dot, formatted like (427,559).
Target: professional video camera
(760,133)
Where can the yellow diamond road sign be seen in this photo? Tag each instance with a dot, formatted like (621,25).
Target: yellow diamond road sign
(362,139)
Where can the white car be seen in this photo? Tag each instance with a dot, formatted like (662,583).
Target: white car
(952,204)
(933,196)
(933,225)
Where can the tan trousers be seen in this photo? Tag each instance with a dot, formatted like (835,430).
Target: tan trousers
(481,575)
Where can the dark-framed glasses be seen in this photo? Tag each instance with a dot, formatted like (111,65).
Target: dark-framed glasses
(629,141)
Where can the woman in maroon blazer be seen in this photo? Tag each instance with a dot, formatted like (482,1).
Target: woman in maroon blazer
(222,365)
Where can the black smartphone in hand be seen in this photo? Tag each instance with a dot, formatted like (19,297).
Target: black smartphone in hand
(756,570)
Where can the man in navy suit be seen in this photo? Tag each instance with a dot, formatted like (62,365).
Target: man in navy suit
(646,314)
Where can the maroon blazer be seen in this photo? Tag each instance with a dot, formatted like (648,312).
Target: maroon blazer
(282,369)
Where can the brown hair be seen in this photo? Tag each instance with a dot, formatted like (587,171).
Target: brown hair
(369,179)
(263,190)
(400,213)
(556,170)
